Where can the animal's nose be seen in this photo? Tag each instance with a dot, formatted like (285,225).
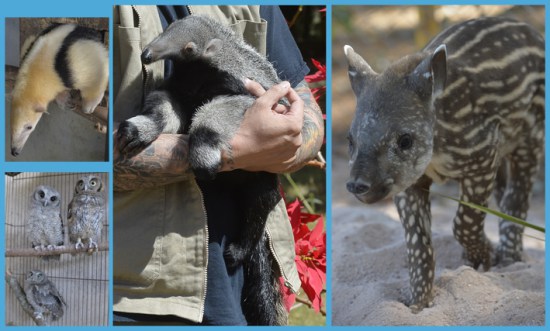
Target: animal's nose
(358,186)
(146,56)
(14,152)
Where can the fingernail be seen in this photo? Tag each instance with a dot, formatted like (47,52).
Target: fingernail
(246,80)
(285,84)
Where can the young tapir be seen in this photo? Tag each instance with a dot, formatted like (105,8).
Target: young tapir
(468,107)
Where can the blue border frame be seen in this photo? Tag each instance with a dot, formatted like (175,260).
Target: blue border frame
(103,8)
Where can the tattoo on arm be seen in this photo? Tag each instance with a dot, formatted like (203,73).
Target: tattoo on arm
(313,129)
(163,162)
(228,160)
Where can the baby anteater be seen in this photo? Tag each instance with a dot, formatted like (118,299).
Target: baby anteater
(206,98)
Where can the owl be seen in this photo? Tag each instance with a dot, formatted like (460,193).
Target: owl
(43,296)
(86,213)
(44,222)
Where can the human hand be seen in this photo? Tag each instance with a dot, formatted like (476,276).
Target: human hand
(270,133)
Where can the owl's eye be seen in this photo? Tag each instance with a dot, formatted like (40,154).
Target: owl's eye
(42,195)
(53,199)
(93,182)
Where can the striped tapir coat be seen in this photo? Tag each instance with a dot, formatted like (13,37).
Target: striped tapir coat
(468,107)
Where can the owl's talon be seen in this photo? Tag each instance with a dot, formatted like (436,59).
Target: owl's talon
(93,246)
(79,244)
(38,315)
(50,247)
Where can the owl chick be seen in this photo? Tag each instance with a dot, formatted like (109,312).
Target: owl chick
(86,212)
(43,296)
(44,222)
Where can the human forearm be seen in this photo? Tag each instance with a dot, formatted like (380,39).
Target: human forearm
(162,162)
(313,130)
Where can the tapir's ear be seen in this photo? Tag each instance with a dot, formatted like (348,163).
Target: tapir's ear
(359,70)
(439,69)
(430,76)
(212,47)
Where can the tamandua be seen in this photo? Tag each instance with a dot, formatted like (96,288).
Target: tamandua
(61,58)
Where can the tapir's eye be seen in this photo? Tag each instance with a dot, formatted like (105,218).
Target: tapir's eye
(404,141)
(28,127)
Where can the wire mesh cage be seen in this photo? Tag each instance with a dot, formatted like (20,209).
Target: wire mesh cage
(82,279)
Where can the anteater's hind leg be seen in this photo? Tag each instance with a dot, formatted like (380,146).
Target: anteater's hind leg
(259,196)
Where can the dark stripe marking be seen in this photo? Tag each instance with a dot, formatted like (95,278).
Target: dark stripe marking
(62,57)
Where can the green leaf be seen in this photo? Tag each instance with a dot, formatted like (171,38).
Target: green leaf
(496,213)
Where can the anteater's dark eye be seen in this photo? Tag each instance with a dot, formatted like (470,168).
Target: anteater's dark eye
(28,127)
(404,141)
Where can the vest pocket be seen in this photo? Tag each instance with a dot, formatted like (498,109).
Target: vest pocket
(254,33)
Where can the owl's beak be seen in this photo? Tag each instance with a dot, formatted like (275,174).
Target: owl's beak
(45,203)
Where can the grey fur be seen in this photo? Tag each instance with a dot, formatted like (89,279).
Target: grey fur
(44,223)
(86,212)
(469,107)
(198,38)
(43,296)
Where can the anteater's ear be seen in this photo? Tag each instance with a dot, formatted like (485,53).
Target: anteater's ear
(359,71)
(212,47)
(189,48)
(40,109)
(429,77)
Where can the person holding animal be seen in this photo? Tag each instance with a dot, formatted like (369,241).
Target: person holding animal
(171,230)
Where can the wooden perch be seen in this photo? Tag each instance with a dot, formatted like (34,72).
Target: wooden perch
(100,114)
(58,250)
(22,298)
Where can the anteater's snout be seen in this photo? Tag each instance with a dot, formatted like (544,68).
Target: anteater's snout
(358,186)
(14,151)
(147,56)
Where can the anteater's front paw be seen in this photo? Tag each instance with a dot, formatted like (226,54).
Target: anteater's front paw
(205,153)
(132,137)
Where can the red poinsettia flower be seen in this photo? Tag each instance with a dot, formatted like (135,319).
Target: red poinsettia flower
(317,80)
(310,246)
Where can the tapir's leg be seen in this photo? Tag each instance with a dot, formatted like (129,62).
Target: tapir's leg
(413,205)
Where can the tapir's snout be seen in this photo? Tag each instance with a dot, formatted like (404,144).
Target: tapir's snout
(367,191)
(357,186)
